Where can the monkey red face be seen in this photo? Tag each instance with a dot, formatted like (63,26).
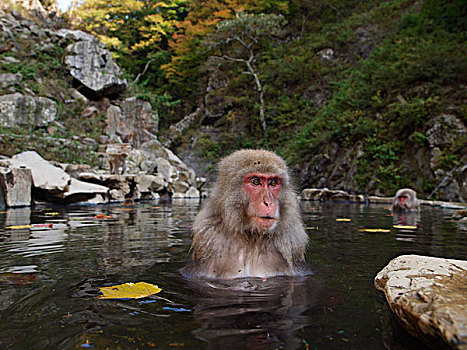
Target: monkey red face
(263,190)
(402,199)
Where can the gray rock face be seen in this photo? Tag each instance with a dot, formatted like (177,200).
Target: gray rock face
(45,176)
(134,122)
(9,79)
(428,296)
(445,130)
(74,35)
(92,65)
(19,110)
(15,187)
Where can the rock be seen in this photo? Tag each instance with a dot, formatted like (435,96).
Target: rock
(428,297)
(200,181)
(178,128)
(19,110)
(192,192)
(92,66)
(140,116)
(324,194)
(150,183)
(45,176)
(134,122)
(327,54)
(74,35)
(381,200)
(445,130)
(311,194)
(80,191)
(9,79)
(15,187)
(116,195)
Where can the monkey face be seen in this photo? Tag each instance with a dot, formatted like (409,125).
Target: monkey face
(401,201)
(263,190)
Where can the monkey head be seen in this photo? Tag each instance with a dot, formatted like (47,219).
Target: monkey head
(251,223)
(252,189)
(405,199)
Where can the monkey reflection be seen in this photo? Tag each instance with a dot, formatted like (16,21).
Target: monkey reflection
(405,200)
(267,316)
(251,225)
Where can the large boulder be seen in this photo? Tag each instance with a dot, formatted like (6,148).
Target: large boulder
(80,191)
(19,110)
(91,64)
(45,176)
(428,296)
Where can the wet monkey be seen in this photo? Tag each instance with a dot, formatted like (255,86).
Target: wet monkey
(251,224)
(405,199)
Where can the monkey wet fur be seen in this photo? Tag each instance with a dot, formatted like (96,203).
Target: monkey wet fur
(251,224)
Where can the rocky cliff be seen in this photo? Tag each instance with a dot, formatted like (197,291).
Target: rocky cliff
(65,100)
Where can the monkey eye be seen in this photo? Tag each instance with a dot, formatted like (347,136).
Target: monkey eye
(255,181)
(273,182)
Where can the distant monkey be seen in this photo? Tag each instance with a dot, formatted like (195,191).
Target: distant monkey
(251,224)
(117,163)
(405,199)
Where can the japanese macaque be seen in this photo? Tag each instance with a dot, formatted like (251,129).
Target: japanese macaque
(251,225)
(405,199)
(117,163)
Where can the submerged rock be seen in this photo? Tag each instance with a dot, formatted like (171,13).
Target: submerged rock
(428,296)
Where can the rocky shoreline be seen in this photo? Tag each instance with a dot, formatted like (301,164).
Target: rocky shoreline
(428,297)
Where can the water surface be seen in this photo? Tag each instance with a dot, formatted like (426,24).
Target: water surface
(49,275)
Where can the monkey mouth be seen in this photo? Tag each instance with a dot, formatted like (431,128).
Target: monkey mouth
(265,220)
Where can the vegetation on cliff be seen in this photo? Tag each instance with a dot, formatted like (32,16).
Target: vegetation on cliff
(340,74)
(347,91)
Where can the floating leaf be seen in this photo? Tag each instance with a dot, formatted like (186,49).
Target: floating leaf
(312,228)
(52,213)
(408,227)
(129,291)
(19,227)
(344,219)
(102,216)
(51,225)
(375,230)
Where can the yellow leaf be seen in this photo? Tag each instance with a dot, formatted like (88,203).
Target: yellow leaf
(18,227)
(52,213)
(408,227)
(129,291)
(373,230)
(344,219)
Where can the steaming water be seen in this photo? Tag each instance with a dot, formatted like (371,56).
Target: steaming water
(49,278)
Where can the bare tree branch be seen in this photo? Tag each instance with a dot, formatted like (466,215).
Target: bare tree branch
(142,73)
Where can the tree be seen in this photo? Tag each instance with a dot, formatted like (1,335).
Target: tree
(136,31)
(240,40)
